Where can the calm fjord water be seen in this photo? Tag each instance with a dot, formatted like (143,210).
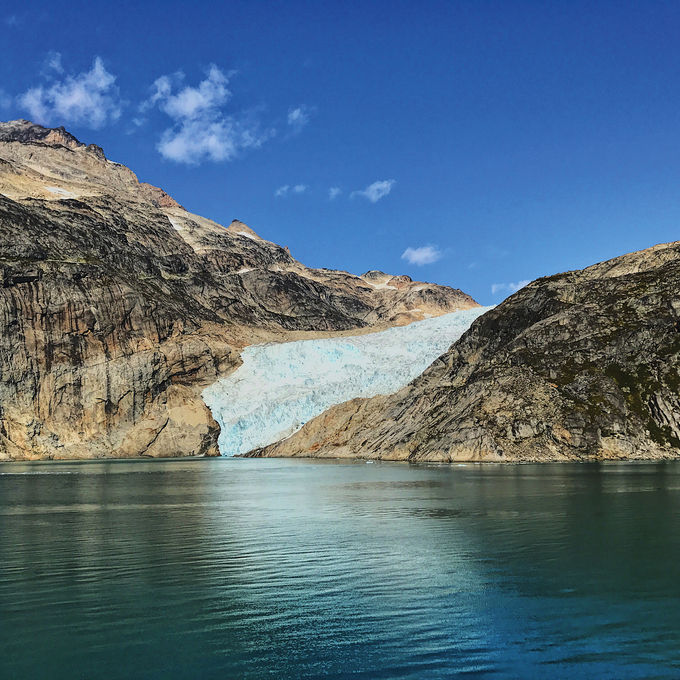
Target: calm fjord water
(321,569)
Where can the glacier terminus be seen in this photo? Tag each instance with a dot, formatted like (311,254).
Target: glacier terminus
(281,386)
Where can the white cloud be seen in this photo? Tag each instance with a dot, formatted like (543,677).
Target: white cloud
(90,98)
(282,191)
(218,140)
(334,192)
(200,128)
(298,118)
(299,188)
(194,102)
(424,255)
(508,288)
(375,191)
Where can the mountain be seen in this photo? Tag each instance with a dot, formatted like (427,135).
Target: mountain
(578,366)
(118,306)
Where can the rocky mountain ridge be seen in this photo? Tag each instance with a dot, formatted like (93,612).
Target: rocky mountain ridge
(578,366)
(118,306)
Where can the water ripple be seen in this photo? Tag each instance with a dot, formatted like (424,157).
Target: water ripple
(298,569)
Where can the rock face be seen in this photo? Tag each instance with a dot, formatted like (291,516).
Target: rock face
(578,366)
(118,306)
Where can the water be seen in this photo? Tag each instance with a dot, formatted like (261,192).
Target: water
(281,386)
(239,568)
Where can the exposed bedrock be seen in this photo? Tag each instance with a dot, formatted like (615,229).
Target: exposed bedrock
(118,306)
(577,366)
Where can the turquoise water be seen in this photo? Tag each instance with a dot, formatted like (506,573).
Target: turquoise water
(241,568)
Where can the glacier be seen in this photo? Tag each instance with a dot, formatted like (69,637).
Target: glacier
(280,386)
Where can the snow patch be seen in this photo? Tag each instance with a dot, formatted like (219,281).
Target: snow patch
(280,387)
(247,235)
(61,192)
(243,271)
(380,286)
(176,224)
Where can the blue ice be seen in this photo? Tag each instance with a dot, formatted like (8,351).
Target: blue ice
(281,386)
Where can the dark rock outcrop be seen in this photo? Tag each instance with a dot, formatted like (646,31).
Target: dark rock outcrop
(578,366)
(26,132)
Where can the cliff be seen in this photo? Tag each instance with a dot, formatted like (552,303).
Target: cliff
(118,306)
(578,366)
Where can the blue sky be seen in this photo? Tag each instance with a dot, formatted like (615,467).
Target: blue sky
(475,144)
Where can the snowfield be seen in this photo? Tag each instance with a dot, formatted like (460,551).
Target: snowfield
(280,387)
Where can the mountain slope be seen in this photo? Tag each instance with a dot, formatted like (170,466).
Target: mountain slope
(578,366)
(118,305)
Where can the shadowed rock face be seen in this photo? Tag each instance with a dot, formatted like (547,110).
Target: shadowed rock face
(579,366)
(118,306)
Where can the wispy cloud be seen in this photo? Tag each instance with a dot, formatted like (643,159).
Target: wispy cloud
(90,98)
(375,191)
(297,189)
(201,130)
(162,90)
(423,255)
(508,288)
(334,192)
(53,63)
(298,118)
(5,100)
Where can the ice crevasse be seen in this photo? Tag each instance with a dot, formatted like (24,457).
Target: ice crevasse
(281,386)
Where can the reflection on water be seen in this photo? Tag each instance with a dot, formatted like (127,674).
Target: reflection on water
(321,569)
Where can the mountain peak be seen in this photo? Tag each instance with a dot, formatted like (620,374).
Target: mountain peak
(238,227)
(25,131)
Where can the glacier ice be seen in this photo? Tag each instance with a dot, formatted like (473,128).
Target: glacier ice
(281,386)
